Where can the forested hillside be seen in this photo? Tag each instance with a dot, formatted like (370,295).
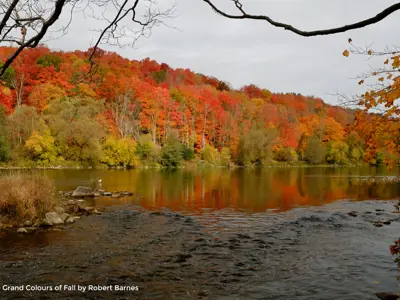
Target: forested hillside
(58,109)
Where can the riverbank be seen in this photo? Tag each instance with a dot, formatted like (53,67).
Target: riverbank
(30,203)
(186,165)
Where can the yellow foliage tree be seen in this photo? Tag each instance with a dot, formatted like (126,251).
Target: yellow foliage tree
(120,153)
(41,147)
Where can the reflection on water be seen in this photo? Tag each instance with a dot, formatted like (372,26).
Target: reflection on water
(253,190)
(245,240)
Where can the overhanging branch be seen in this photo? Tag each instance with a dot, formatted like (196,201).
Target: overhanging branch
(243,15)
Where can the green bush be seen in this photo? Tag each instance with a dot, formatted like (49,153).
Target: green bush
(378,159)
(255,146)
(41,147)
(225,157)
(337,153)
(4,144)
(74,123)
(286,154)
(120,153)
(171,154)
(187,153)
(315,151)
(210,155)
(147,150)
(356,153)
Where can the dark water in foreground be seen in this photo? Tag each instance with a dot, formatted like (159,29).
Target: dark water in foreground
(242,234)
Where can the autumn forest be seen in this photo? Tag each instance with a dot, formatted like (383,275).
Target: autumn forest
(59,109)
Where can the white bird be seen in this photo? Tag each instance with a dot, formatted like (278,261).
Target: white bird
(99,184)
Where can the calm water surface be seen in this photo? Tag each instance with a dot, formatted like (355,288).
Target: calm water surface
(250,190)
(270,233)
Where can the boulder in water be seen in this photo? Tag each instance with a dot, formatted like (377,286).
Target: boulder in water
(28,223)
(352,213)
(64,217)
(59,209)
(82,191)
(378,223)
(53,218)
(387,296)
(70,220)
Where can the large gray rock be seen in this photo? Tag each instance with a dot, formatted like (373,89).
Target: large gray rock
(70,220)
(22,230)
(83,191)
(59,209)
(64,217)
(45,223)
(53,218)
(28,223)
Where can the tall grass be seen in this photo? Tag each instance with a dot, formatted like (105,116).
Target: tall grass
(25,197)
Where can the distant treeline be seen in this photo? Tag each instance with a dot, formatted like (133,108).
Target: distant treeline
(128,113)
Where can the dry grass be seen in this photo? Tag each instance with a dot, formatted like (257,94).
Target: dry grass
(25,197)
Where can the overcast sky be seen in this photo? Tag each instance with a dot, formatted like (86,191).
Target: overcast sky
(244,52)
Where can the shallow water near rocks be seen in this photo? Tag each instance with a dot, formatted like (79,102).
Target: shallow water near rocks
(217,234)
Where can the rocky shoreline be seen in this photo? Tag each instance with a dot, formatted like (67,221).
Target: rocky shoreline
(73,205)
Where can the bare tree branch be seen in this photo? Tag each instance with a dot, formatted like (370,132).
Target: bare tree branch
(243,15)
(114,32)
(34,41)
(7,15)
(34,18)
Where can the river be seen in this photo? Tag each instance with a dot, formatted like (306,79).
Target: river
(270,233)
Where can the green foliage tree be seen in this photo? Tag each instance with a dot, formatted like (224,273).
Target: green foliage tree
(8,75)
(315,151)
(255,147)
(147,150)
(210,155)
(159,76)
(337,153)
(73,123)
(41,147)
(4,143)
(50,59)
(120,153)
(286,154)
(378,159)
(356,153)
(21,124)
(225,157)
(171,154)
(187,153)
(356,146)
